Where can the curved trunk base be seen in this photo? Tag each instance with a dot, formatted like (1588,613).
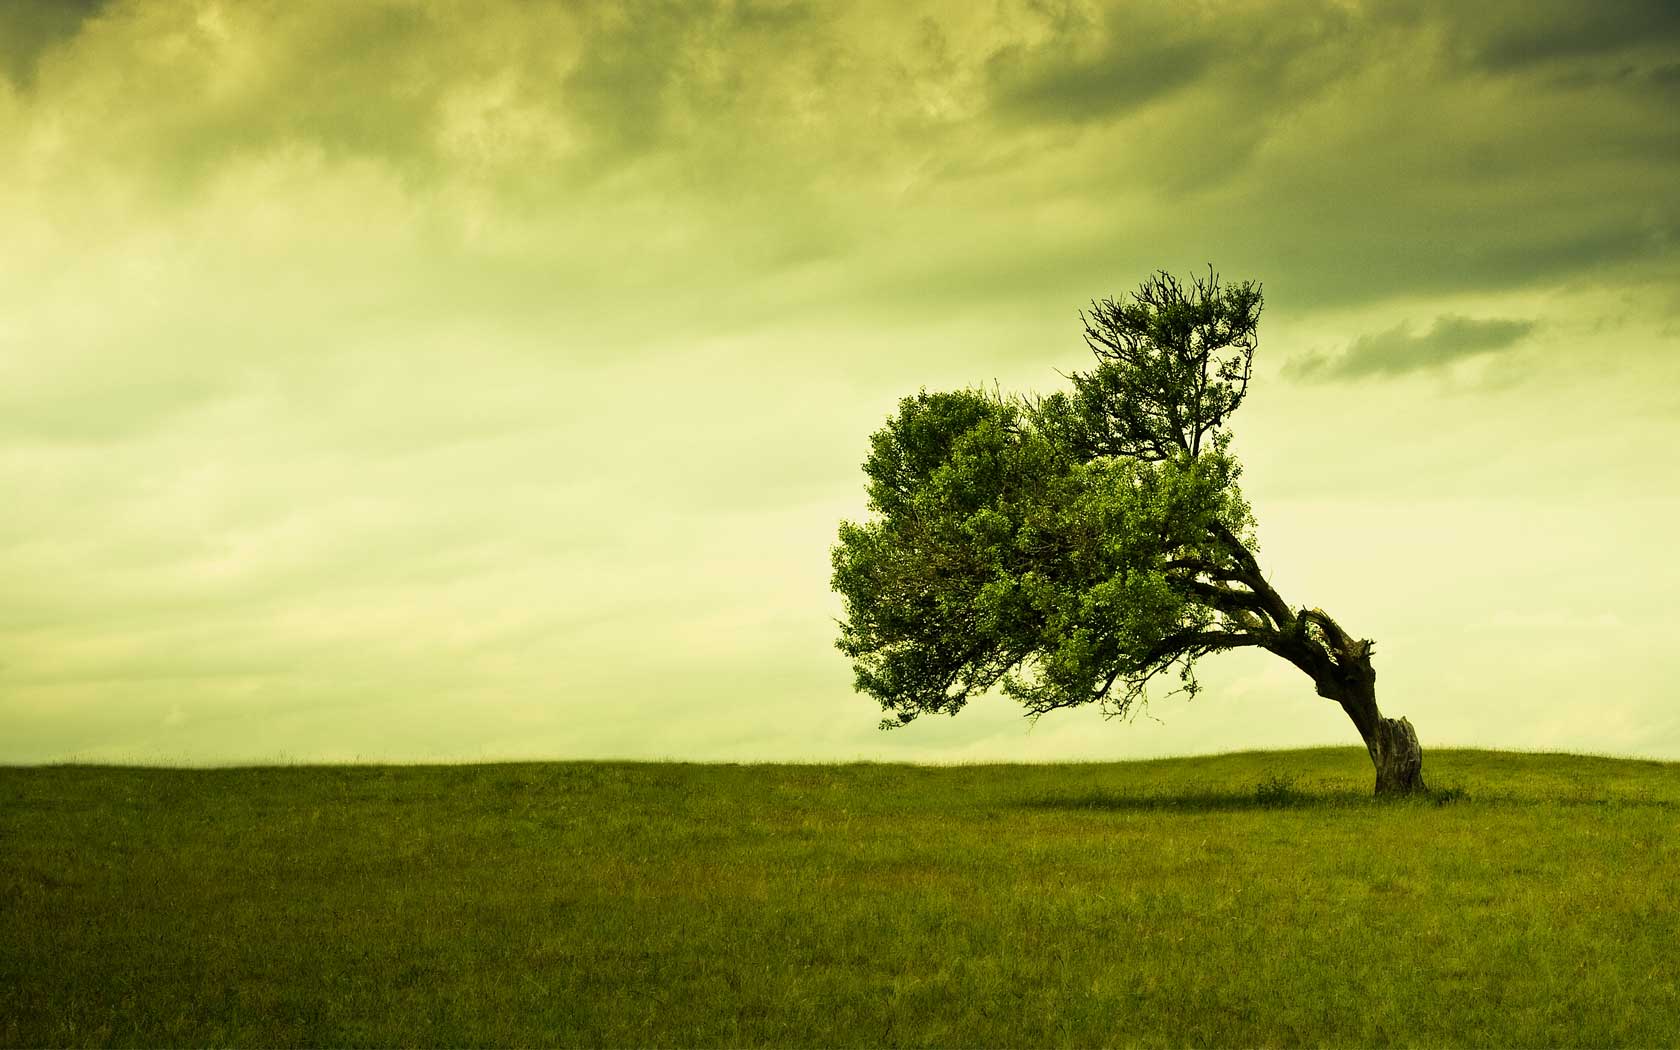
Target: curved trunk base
(1398,757)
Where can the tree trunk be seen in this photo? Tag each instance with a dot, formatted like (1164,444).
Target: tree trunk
(1391,742)
(1340,667)
(1399,760)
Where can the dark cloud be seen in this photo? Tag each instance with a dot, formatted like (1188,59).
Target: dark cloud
(1552,32)
(1097,69)
(647,67)
(1666,77)
(1341,153)
(625,80)
(31,28)
(1398,351)
(1046,84)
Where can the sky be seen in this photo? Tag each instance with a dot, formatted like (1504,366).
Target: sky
(402,381)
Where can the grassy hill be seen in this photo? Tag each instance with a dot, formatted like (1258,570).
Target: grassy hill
(1257,898)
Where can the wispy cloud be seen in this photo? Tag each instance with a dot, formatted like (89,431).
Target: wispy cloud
(1398,350)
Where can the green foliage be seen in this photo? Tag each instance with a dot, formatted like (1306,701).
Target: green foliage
(1173,363)
(1052,547)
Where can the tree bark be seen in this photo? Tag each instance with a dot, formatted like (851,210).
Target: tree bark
(1391,742)
(1398,757)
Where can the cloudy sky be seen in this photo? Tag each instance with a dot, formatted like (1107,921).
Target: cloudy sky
(408,381)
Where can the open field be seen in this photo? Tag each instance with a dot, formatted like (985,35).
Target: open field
(1255,899)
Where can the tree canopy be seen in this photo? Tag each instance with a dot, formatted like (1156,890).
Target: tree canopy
(1074,548)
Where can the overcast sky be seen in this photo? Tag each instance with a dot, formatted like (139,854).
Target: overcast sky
(407,381)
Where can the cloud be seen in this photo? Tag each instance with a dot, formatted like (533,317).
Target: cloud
(1047,83)
(1084,67)
(31,28)
(1398,351)
(1557,32)
(885,138)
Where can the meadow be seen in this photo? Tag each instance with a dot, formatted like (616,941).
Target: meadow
(1255,899)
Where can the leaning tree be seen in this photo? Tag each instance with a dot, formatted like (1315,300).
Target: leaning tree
(1075,548)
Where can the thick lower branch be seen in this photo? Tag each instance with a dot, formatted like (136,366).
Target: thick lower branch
(1225,599)
(1184,643)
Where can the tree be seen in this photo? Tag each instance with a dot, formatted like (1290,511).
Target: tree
(1076,548)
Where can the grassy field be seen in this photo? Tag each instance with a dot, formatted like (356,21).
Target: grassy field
(1253,899)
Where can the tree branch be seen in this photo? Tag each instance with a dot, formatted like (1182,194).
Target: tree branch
(1333,632)
(1250,573)
(1199,642)
(1202,568)
(1223,598)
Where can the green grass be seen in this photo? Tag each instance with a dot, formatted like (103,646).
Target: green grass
(1249,899)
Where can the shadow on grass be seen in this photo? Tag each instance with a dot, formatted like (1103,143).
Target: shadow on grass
(1192,801)
(1274,792)
(1280,793)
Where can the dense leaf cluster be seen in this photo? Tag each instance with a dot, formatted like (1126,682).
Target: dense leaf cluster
(999,557)
(1067,549)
